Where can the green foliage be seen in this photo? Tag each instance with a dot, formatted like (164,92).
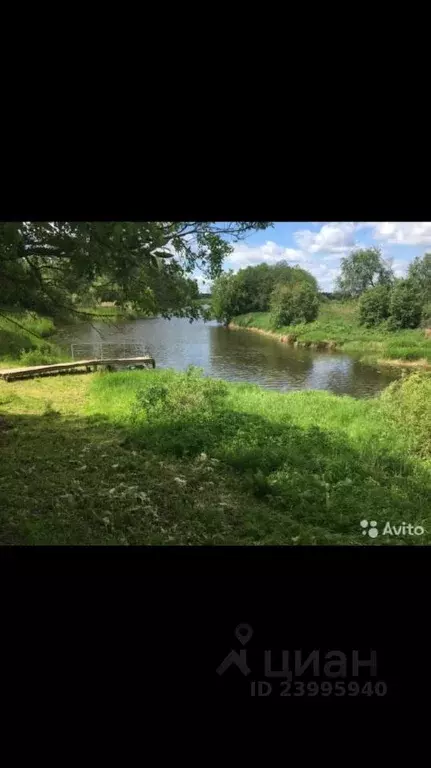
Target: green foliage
(405,307)
(258,283)
(426,315)
(420,275)
(24,333)
(374,305)
(43,355)
(338,323)
(407,403)
(52,267)
(228,298)
(250,289)
(293,303)
(192,392)
(361,269)
(259,468)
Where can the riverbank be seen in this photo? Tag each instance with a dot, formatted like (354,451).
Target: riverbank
(24,340)
(160,457)
(337,327)
(24,337)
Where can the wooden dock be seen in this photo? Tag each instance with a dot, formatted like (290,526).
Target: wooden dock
(9,374)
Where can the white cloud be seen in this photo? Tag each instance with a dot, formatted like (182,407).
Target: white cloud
(320,252)
(248,256)
(270,252)
(203,283)
(401,232)
(334,237)
(333,257)
(399,267)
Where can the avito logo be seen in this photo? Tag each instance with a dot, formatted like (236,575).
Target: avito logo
(391,530)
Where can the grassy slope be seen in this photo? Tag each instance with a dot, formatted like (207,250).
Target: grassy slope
(338,322)
(20,345)
(253,467)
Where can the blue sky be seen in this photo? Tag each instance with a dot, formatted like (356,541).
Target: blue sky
(319,246)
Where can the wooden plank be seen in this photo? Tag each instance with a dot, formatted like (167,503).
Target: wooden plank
(33,370)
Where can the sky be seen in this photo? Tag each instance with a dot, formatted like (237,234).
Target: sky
(319,246)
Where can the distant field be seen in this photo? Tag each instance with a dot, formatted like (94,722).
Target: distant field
(338,323)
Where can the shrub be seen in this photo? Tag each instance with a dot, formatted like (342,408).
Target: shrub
(407,402)
(44,355)
(191,393)
(420,274)
(426,315)
(374,305)
(292,304)
(405,306)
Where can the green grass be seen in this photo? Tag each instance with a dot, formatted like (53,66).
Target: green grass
(23,336)
(159,457)
(338,323)
(23,340)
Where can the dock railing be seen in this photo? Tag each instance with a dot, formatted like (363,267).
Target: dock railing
(105,350)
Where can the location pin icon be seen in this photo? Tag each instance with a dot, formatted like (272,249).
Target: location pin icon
(243,633)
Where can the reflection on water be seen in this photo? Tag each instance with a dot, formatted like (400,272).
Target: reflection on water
(237,355)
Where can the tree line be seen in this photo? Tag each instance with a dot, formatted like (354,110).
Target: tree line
(383,298)
(56,268)
(291,294)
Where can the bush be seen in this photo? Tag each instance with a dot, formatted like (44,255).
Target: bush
(407,402)
(426,315)
(44,355)
(293,304)
(405,306)
(374,306)
(191,393)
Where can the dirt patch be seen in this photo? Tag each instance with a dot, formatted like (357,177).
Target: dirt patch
(422,363)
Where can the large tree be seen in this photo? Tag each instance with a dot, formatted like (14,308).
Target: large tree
(49,266)
(361,269)
(228,297)
(420,276)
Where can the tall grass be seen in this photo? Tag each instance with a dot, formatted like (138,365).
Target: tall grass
(23,340)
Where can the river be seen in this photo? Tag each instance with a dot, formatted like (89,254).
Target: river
(236,355)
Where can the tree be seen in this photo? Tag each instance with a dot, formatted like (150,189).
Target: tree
(258,283)
(283,272)
(420,274)
(293,303)
(47,266)
(361,269)
(374,305)
(405,305)
(228,297)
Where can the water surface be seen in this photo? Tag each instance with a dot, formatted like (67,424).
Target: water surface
(237,355)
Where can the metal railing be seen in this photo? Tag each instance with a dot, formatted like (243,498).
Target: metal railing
(105,350)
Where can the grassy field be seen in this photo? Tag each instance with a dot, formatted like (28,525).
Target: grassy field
(338,323)
(158,457)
